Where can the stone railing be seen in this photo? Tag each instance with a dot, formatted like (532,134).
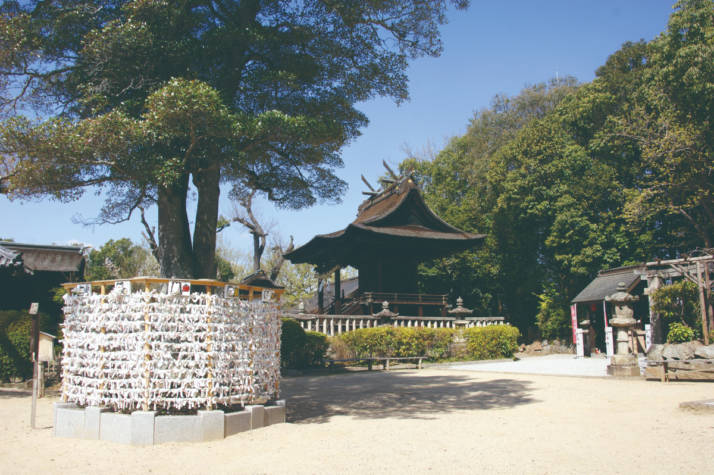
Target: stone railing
(332,325)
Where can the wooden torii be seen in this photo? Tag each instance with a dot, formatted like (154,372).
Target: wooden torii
(696,269)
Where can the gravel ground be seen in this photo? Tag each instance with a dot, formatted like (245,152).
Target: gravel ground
(438,420)
(562,365)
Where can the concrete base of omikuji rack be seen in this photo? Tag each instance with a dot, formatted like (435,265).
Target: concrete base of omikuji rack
(148,428)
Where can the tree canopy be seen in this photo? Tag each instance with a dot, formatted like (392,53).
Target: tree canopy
(569,179)
(138,99)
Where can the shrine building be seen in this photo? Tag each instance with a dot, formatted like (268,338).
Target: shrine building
(394,231)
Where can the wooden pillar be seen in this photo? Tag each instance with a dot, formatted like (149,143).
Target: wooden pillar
(708,295)
(703,303)
(320,296)
(338,292)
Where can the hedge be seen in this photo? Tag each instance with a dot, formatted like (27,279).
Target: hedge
(301,349)
(491,342)
(399,341)
(498,341)
(15,329)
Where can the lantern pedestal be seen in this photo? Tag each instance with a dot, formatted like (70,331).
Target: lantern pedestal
(623,363)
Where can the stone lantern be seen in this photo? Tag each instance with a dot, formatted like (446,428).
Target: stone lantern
(623,363)
(385,315)
(460,313)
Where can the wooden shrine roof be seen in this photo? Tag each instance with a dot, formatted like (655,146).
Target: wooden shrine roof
(34,257)
(395,220)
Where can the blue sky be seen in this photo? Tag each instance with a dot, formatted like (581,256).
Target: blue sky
(494,47)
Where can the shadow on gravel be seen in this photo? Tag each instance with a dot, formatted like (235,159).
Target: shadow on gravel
(14,393)
(401,395)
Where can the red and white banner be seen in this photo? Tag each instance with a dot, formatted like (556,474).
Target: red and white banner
(604,313)
(574,320)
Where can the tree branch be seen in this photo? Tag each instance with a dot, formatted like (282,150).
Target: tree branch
(150,236)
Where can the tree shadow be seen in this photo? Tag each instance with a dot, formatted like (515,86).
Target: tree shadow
(396,395)
(14,393)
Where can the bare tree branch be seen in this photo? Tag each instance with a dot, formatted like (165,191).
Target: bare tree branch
(150,236)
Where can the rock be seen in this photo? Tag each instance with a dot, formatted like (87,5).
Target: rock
(655,353)
(522,348)
(681,351)
(536,346)
(706,352)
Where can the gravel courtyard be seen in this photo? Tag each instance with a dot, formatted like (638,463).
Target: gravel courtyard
(438,420)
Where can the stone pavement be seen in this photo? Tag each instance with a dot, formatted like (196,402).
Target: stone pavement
(562,365)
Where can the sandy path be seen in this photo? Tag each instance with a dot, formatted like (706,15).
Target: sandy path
(435,420)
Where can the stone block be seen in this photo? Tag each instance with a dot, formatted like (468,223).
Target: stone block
(55,406)
(177,429)
(92,419)
(212,425)
(280,402)
(115,427)
(274,415)
(142,427)
(69,421)
(257,419)
(237,422)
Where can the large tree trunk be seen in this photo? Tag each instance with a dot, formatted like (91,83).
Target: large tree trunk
(204,233)
(258,248)
(174,235)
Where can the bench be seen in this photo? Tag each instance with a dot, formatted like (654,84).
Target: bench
(385,360)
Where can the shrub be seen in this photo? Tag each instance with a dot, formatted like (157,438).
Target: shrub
(678,303)
(15,329)
(552,319)
(315,348)
(292,344)
(397,341)
(301,349)
(491,342)
(679,333)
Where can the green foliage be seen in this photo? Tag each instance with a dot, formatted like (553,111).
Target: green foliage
(224,269)
(566,180)
(301,349)
(398,341)
(120,259)
(679,333)
(678,303)
(15,330)
(141,97)
(496,341)
(316,346)
(292,344)
(300,283)
(492,342)
(552,319)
